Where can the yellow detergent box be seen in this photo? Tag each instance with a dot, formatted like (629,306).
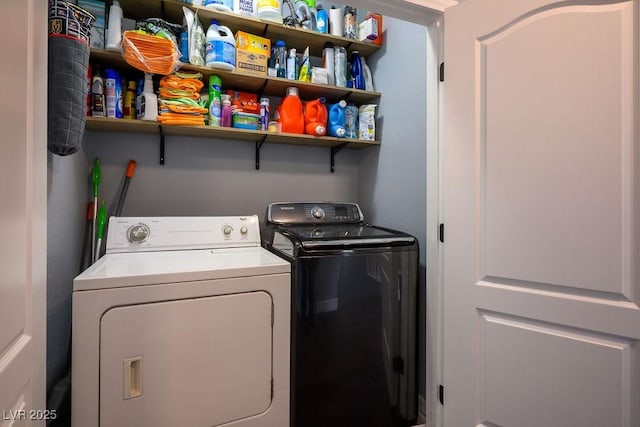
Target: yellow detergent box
(252,53)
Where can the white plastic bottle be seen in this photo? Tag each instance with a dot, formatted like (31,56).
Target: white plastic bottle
(269,10)
(148,100)
(114,32)
(220,47)
(226,5)
(292,65)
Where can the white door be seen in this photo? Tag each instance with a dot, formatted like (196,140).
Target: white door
(23,201)
(542,213)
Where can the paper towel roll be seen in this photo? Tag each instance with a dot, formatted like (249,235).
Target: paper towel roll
(336,21)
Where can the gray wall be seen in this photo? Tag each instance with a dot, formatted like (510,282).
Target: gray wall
(204,176)
(393,178)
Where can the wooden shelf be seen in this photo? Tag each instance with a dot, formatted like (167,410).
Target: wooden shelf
(103,124)
(171,10)
(266,85)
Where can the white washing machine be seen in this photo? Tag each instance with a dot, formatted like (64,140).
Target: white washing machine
(184,322)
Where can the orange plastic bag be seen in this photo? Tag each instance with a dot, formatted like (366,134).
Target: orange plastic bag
(151,54)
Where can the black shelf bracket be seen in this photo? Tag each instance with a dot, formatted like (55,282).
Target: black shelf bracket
(335,150)
(161,144)
(258,147)
(262,88)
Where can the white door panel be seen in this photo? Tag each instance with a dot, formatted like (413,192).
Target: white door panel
(541,206)
(23,185)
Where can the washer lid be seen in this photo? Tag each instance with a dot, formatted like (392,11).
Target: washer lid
(151,268)
(346,235)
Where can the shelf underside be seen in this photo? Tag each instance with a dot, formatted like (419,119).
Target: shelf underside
(102,124)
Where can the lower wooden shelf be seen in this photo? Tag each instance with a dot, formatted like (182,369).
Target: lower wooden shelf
(103,124)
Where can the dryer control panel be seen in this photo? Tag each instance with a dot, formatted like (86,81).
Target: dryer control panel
(135,234)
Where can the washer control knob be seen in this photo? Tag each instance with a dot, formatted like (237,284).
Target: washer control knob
(244,229)
(138,233)
(317,213)
(227,229)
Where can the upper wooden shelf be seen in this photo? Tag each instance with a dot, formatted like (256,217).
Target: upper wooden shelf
(171,10)
(270,86)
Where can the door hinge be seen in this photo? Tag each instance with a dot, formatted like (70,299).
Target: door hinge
(441,233)
(441,394)
(398,365)
(441,72)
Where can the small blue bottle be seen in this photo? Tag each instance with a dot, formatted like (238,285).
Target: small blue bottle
(322,21)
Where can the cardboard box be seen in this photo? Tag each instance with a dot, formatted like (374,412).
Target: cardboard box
(252,53)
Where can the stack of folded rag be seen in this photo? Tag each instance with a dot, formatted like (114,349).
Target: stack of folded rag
(179,99)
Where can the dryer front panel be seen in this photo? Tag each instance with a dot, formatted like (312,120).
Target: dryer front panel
(191,362)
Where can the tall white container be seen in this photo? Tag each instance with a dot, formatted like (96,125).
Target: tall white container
(114,31)
(220,47)
(269,10)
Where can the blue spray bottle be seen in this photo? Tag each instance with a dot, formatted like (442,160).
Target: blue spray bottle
(336,119)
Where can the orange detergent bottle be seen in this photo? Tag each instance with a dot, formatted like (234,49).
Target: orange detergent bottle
(315,117)
(291,112)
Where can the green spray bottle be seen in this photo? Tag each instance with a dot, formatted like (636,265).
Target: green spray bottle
(215,100)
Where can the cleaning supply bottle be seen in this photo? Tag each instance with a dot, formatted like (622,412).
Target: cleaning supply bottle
(336,119)
(356,71)
(129,108)
(315,117)
(351,121)
(340,65)
(281,59)
(220,47)
(322,22)
(350,23)
(269,10)
(97,94)
(114,32)
(148,100)
(227,111)
(291,112)
(113,93)
(264,113)
(328,62)
(292,65)
(215,100)
(225,5)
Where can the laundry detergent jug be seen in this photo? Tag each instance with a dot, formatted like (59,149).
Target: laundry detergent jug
(315,117)
(336,119)
(291,112)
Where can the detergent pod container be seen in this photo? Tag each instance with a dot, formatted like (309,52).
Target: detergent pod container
(336,125)
(315,117)
(291,112)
